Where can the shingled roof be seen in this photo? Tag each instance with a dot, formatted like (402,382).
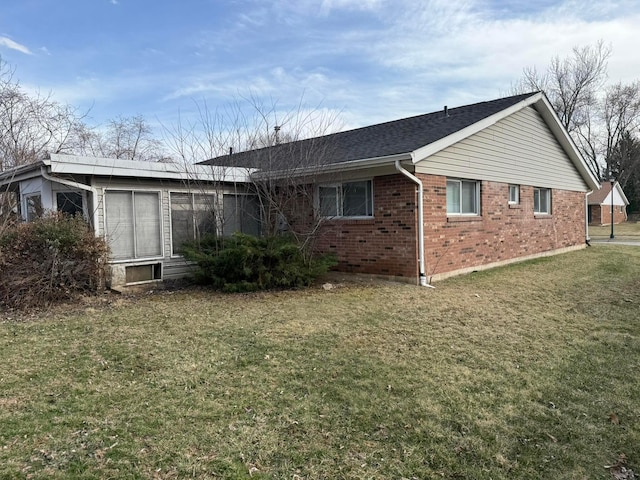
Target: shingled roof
(384,139)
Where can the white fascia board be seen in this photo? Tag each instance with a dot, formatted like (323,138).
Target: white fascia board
(111,167)
(428,150)
(547,112)
(541,104)
(17,174)
(621,193)
(334,167)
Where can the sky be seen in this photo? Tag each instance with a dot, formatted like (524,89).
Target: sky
(366,61)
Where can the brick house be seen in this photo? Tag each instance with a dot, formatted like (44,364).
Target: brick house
(599,204)
(426,197)
(416,199)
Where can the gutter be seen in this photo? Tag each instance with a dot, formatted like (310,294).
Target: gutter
(417,181)
(81,186)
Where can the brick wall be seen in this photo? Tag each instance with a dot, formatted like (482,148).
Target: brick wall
(502,232)
(601,215)
(384,245)
(387,244)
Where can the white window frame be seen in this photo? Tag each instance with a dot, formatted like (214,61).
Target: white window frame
(461,182)
(136,258)
(339,198)
(537,192)
(514,194)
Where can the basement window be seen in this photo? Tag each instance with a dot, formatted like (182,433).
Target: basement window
(143,273)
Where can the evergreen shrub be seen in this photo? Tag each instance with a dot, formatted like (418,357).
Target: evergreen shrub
(244,263)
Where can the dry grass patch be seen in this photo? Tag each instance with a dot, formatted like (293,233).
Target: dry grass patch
(621,231)
(511,373)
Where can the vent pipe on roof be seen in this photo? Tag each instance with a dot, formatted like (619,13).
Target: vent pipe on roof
(230,150)
(276,129)
(446,111)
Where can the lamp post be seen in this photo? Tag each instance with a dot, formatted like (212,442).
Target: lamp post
(612,184)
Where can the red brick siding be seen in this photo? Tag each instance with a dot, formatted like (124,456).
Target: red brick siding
(383,245)
(601,214)
(387,244)
(502,232)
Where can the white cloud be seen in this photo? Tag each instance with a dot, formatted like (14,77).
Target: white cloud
(8,43)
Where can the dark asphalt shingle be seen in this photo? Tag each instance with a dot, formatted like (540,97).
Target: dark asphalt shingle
(389,138)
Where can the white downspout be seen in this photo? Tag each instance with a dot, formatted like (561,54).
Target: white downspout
(417,181)
(586,217)
(81,186)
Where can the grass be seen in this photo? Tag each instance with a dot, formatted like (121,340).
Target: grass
(528,371)
(621,231)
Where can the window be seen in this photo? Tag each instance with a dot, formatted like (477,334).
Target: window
(241,214)
(349,199)
(133,224)
(541,201)
(34,207)
(463,197)
(70,203)
(192,216)
(514,194)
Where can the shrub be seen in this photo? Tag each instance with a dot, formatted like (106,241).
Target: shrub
(51,259)
(243,263)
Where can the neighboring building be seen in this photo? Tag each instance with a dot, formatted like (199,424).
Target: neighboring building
(417,199)
(145,210)
(600,202)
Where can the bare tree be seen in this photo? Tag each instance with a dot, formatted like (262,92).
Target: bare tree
(32,125)
(620,112)
(573,85)
(285,148)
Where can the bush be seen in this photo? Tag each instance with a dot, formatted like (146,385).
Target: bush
(51,259)
(243,263)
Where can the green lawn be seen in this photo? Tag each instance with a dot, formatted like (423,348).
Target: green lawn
(528,371)
(621,231)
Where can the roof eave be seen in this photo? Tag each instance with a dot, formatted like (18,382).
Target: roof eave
(348,166)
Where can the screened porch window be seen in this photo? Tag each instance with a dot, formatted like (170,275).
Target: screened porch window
(133,224)
(70,203)
(192,216)
(241,214)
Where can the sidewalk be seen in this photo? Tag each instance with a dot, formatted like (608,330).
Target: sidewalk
(615,241)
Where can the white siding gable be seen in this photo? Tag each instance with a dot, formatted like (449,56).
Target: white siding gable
(519,149)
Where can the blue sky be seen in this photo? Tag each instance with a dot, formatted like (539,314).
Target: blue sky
(370,60)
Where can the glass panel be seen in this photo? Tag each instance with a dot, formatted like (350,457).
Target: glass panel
(241,214)
(147,218)
(356,199)
(70,203)
(453,196)
(328,201)
(513,193)
(119,223)
(469,204)
(34,207)
(204,213)
(181,220)
(544,200)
